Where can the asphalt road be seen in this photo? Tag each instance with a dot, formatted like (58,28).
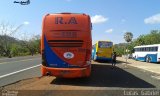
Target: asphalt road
(19,68)
(119,77)
(103,79)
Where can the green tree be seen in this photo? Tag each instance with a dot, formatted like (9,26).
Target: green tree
(151,38)
(6,37)
(119,49)
(128,38)
(33,44)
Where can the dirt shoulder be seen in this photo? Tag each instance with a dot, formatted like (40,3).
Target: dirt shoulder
(151,67)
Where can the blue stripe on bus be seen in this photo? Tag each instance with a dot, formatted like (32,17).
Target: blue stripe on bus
(141,58)
(52,59)
(103,58)
(152,56)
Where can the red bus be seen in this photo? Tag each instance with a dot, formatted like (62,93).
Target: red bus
(66,45)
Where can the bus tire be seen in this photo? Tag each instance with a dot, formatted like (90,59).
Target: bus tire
(148,59)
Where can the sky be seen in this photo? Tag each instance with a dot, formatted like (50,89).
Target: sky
(110,18)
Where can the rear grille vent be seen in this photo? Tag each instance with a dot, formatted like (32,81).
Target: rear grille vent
(65,43)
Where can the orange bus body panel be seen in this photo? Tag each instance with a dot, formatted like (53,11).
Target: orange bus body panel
(66,45)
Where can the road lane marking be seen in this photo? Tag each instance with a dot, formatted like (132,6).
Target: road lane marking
(19,60)
(19,71)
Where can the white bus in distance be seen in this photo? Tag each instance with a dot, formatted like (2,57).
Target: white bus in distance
(147,53)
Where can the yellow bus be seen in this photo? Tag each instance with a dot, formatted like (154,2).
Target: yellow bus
(102,50)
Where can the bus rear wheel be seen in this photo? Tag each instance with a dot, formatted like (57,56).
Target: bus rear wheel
(148,59)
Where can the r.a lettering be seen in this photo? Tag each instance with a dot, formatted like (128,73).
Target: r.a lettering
(59,20)
(72,21)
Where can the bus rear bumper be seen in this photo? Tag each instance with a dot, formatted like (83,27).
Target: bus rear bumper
(66,72)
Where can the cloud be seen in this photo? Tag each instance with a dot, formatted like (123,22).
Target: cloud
(26,22)
(109,30)
(98,19)
(155,19)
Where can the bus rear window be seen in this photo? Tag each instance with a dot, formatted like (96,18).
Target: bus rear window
(105,44)
(149,49)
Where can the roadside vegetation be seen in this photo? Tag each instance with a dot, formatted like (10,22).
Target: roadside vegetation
(10,46)
(152,38)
